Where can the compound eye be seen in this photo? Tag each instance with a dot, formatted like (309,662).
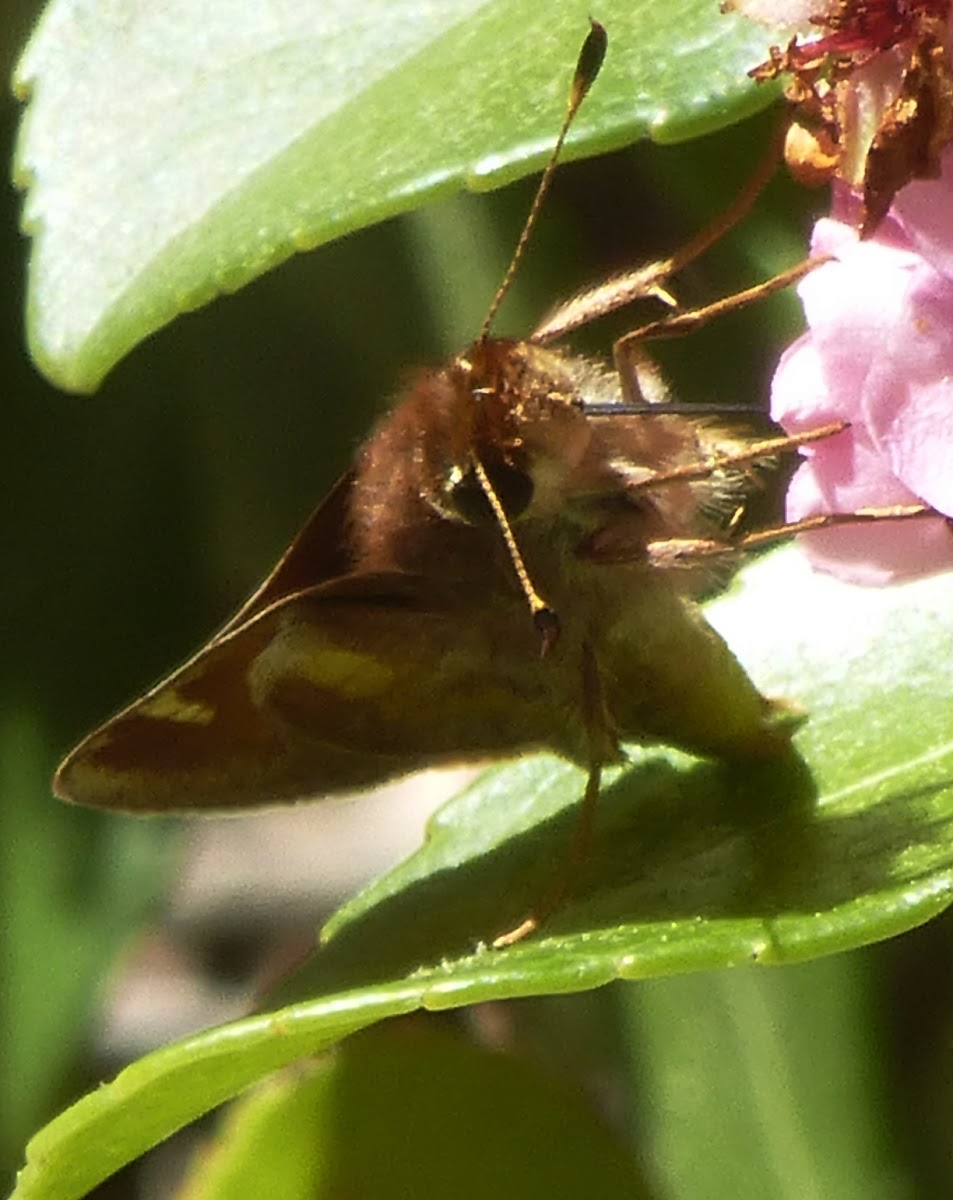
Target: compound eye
(513,487)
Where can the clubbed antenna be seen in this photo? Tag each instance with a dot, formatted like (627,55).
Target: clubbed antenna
(587,68)
(544,618)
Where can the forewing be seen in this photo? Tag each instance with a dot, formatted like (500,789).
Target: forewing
(337,688)
(318,553)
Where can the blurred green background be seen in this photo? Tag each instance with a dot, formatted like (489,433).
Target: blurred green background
(133,521)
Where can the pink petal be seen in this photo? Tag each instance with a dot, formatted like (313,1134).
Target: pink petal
(924,209)
(800,399)
(870,554)
(879,354)
(842,474)
(908,402)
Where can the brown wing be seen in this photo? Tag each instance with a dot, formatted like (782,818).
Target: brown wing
(340,687)
(317,554)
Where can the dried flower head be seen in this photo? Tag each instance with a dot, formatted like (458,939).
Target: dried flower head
(871,85)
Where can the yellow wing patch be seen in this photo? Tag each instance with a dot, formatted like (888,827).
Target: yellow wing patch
(169,705)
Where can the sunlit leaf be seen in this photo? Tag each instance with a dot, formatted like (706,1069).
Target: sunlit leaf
(174,152)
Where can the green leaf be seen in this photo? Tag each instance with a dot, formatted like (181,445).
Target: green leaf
(409,1111)
(758,1083)
(175,152)
(695,864)
(71,890)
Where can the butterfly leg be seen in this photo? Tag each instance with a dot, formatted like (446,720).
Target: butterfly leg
(667,553)
(631,358)
(603,747)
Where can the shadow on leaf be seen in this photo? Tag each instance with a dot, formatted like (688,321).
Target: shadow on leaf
(707,843)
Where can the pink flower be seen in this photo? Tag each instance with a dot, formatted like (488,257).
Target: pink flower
(879,354)
(870,85)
